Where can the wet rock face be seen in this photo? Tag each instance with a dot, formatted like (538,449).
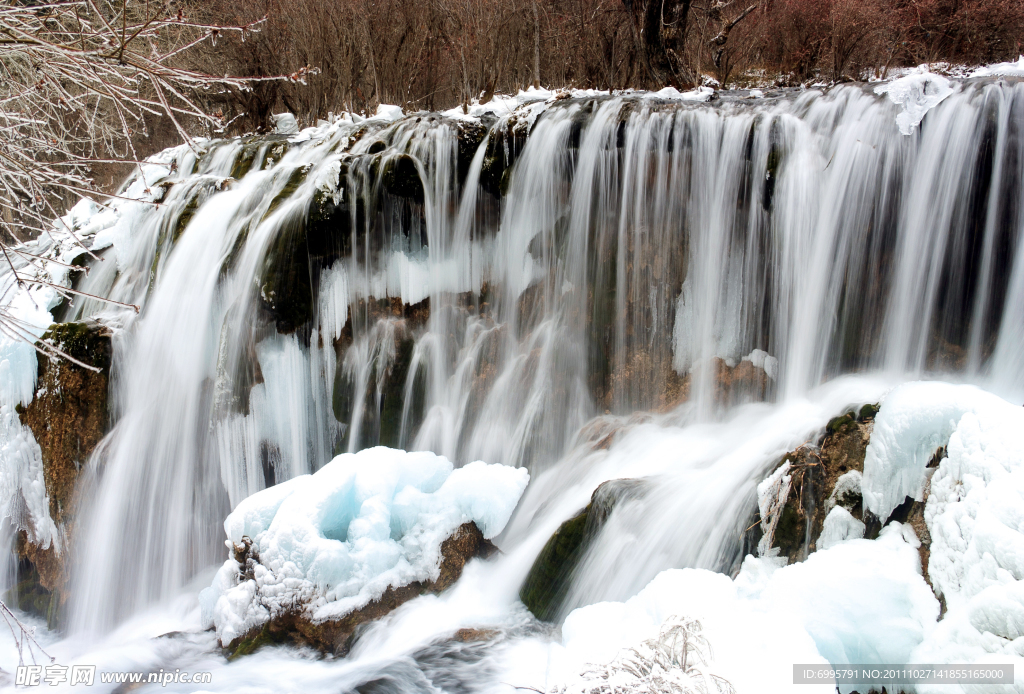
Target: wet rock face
(546,586)
(336,637)
(68,418)
(824,476)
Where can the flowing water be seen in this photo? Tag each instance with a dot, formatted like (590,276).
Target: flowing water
(569,288)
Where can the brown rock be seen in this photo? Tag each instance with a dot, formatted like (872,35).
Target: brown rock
(336,636)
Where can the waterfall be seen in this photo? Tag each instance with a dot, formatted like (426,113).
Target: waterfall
(507,289)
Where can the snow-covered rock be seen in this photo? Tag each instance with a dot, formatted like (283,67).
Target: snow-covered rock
(917,94)
(1012,69)
(326,544)
(915,420)
(285,124)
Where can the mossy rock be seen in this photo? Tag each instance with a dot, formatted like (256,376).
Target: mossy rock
(377,147)
(842,424)
(868,412)
(29,595)
(547,585)
(402,179)
(286,289)
(69,416)
(470,136)
(393,396)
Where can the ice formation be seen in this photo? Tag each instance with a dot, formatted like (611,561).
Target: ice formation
(916,419)
(861,601)
(333,542)
(975,514)
(917,94)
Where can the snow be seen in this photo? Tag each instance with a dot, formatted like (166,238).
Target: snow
(914,421)
(285,124)
(334,541)
(1015,69)
(839,526)
(975,514)
(917,93)
(699,94)
(765,361)
(772,493)
(861,601)
(388,112)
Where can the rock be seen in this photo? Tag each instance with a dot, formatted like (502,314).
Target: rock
(821,479)
(546,586)
(401,178)
(336,637)
(68,418)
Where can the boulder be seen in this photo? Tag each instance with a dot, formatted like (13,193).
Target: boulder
(547,585)
(336,636)
(68,417)
(823,476)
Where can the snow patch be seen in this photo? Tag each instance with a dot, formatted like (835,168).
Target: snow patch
(917,94)
(285,124)
(700,94)
(332,542)
(862,601)
(1014,69)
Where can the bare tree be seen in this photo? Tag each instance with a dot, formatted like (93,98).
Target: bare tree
(79,79)
(661,28)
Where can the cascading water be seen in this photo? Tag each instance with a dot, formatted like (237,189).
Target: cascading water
(514,291)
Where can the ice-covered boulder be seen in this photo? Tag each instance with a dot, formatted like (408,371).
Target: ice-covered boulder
(314,557)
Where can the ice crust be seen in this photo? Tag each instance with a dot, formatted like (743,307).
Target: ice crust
(332,542)
(917,94)
(861,601)
(915,420)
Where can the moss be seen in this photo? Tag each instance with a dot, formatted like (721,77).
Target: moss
(550,576)
(546,586)
(868,412)
(377,147)
(68,416)
(843,424)
(295,179)
(252,643)
(29,595)
(401,178)
(187,213)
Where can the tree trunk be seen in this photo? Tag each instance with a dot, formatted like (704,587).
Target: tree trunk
(661,25)
(536,46)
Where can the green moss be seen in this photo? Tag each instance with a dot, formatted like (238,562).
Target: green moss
(251,644)
(29,595)
(868,411)
(187,213)
(377,147)
(549,579)
(842,424)
(84,341)
(295,179)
